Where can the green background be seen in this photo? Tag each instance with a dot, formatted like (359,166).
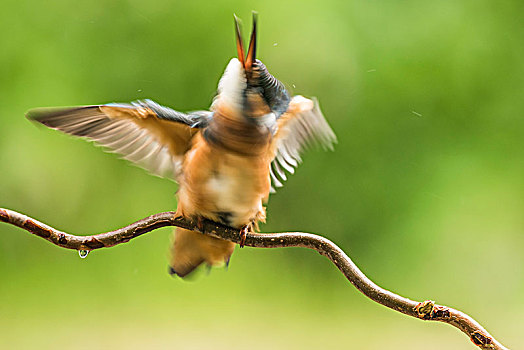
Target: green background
(424,190)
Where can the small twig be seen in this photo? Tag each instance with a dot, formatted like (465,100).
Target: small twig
(426,310)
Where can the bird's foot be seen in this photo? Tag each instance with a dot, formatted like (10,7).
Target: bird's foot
(200,223)
(243,234)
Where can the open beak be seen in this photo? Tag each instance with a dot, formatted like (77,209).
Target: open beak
(249,60)
(240,45)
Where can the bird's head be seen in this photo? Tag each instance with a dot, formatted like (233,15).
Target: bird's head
(247,90)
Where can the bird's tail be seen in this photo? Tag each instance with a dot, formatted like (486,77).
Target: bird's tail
(190,249)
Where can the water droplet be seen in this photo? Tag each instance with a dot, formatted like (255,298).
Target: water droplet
(83,253)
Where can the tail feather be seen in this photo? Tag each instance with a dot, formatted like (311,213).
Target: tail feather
(191,249)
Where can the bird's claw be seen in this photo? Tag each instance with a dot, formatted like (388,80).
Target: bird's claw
(200,224)
(243,234)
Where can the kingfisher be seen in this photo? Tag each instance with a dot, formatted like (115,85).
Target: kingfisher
(226,160)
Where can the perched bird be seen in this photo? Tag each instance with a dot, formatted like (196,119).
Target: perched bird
(226,160)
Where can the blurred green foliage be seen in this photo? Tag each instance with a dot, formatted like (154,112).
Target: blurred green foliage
(424,191)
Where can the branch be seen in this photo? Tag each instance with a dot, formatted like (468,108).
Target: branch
(426,310)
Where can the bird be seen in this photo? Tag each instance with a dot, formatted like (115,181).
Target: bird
(226,160)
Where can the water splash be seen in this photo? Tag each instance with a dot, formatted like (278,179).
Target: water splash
(83,253)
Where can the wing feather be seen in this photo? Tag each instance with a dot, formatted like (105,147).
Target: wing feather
(301,127)
(148,134)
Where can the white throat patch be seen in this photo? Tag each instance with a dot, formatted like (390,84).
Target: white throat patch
(231,85)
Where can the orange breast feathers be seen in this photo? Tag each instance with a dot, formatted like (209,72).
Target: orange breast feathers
(223,185)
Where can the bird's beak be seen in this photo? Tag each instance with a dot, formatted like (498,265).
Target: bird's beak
(240,44)
(252,51)
(249,60)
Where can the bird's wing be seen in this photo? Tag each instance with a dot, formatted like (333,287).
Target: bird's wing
(148,134)
(300,127)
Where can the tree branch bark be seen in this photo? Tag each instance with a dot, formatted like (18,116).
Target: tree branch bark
(426,310)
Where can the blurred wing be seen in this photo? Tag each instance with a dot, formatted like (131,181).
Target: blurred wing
(144,132)
(299,128)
